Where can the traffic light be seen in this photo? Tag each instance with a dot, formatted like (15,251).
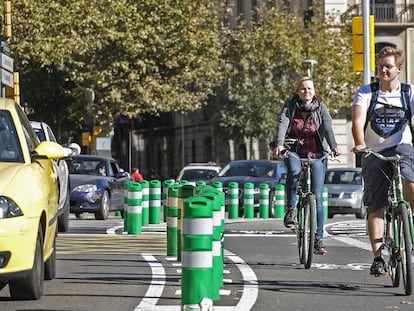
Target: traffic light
(96,130)
(7,19)
(14,92)
(358,44)
(86,139)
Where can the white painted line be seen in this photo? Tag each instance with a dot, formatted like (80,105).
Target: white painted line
(227,281)
(156,287)
(250,288)
(247,300)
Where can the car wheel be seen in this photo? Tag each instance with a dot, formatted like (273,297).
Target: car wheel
(50,264)
(78,215)
(330,215)
(63,220)
(31,286)
(103,212)
(362,213)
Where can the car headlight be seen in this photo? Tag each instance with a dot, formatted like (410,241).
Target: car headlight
(9,208)
(86,188)
(351,195)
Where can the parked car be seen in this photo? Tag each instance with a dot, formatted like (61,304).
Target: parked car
(45,133)
(256,172)
(96,185)
(345,191)
(198,172)
(28,205)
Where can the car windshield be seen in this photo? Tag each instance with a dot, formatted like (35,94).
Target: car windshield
(198,174)
(343,177)
(255,169)
(9,146)
(94,167)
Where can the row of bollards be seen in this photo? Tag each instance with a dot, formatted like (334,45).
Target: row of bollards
(195,227)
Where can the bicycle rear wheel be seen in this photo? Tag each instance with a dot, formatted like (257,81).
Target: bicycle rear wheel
(405,247)
(309,225)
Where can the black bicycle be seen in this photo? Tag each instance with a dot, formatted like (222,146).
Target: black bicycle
(306,221)
(398,239)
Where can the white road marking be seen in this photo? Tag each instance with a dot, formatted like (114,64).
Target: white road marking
(247,300)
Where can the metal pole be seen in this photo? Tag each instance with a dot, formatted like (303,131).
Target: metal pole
(182,141)
(365,26)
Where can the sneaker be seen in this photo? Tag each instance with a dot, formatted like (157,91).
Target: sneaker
(318,248)
(378,267)
(288,219)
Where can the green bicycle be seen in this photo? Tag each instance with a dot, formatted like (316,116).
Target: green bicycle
(305,223)
(398,229)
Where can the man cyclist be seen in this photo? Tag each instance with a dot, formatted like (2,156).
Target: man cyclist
(386,130)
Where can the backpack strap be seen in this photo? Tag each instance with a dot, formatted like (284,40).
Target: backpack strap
(374,90)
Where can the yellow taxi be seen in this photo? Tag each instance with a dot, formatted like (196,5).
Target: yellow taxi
(28,205)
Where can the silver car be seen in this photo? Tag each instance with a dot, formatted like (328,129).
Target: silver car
(345,191)
(45,133)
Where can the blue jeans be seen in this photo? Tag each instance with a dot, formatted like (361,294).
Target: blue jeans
(318,169)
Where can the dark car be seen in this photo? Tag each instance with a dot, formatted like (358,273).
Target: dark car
(96,185)
(255,172)
(345,191)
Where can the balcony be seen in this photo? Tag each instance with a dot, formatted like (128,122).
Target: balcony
(385,13)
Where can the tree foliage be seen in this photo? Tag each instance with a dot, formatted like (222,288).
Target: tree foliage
(120,57)
(265,58)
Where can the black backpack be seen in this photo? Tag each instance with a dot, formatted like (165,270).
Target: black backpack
(405,99)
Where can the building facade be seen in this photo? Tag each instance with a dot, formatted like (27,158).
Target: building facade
(161,146)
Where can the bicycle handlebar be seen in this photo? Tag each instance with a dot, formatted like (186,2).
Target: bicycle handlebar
(396,157)
(327,155)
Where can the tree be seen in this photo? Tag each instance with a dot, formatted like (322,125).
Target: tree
(131,57)
(264,59)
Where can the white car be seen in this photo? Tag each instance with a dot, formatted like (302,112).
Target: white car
(198,172)
(45,133)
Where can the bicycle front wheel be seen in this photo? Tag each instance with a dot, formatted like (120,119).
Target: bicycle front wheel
(405,247)
(309,226)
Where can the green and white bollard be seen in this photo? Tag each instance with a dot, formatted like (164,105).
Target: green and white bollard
(233,199)
(264,201)
(135,208)
(200,183)
(165,186)
(145,202)
(126,187)
(248,200)
(279,201)
(172,219)
(197,261)
(325,202)
(218,265)
(184,192)
(154,202)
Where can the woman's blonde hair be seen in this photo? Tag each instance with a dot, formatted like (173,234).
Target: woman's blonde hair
(300,81)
